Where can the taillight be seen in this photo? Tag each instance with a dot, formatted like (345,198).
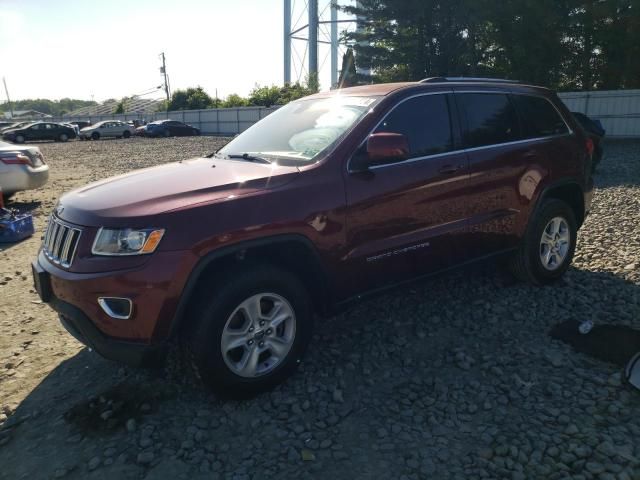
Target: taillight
(14,158)
(590,146)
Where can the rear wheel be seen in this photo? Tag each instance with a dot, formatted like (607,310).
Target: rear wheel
(126,134)
(251,334)
(63,137)
(547,249)
(166,133)
(195,132)
(95,136)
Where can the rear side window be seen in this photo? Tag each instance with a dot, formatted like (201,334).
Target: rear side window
(491,119)
(539,116)
(426,122)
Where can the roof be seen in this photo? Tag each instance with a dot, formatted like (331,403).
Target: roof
(387,88)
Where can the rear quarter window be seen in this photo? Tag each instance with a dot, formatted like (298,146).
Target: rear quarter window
(539,117)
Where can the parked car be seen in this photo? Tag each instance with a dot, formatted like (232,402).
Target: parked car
(169,128)
(21,168)
(595,131)
(107,128)
(40,131)
(14,126)
(75,128)
(141,130)
(81,123)
(329,198)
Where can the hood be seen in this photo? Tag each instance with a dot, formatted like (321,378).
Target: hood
(13,130)
(90,127)
(120,201)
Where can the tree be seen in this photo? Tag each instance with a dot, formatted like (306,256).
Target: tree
(120,108)
(190,99)
(565,44)
(234,100)
(348,74)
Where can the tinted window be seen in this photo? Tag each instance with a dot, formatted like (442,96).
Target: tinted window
(425,121)
(491,119)
(539,117)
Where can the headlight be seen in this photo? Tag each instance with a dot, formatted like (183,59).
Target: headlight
(127,241)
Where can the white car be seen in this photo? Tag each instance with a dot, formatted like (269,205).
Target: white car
(107,128)
(22,167)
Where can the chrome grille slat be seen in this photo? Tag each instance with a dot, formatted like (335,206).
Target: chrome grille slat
(60,242)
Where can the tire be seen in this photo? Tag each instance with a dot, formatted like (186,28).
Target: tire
(166,133)
(19,138)
(95,136)
(63,137)
(196,132)
(126,134)
(216,315)
(536,263)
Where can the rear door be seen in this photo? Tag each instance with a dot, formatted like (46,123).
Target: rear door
(498,158)
(403,218)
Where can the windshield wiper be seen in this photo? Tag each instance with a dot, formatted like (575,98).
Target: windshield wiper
(249,158)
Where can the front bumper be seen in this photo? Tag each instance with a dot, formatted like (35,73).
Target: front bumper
(154,289)
(83,329)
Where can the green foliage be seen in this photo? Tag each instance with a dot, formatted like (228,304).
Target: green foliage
(234,100)
(52,107)
(120,108)
(348,75)
(568,44)
(190,99)
(274,95)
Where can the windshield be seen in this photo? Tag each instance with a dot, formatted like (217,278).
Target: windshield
(300,131)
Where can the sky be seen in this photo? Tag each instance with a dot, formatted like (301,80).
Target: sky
(104,49)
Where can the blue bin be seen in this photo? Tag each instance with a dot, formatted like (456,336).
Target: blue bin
(16,228)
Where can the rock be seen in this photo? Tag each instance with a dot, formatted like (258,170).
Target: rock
(131,425)
(307,455)
(145,458)
(337,396)
(571,430)
(94,463)
(594,468)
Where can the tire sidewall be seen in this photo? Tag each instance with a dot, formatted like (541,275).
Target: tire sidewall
(126,134)
(551,209)
(19,139)
(210,362)
(95,136)
(64,137)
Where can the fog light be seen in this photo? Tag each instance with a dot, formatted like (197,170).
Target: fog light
(115,307)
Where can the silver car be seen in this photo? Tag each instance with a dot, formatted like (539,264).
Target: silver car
(107,128)
(22,167)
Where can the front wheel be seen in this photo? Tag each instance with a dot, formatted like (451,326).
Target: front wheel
(95,136)
(126,134)
(547,249)
(251,334)
(19,139)
(64,137)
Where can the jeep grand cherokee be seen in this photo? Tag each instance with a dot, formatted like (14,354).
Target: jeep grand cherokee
(330,197)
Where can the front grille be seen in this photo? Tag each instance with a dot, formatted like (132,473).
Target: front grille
(60,242)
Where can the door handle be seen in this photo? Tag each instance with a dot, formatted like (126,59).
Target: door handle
(449,169)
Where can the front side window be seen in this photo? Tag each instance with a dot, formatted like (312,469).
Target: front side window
(299,132)
(539,116)
(426,123)
(491,119)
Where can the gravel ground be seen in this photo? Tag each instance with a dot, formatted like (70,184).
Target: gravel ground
(456,377)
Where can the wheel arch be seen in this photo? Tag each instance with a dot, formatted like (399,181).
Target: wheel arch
(568,191)
(293,252)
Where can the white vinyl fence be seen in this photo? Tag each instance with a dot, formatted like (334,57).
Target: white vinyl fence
(618,110)
(215,121)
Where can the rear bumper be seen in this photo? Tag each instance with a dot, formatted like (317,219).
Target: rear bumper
(25,178)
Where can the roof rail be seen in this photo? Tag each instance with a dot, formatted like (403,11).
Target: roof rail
(466,79)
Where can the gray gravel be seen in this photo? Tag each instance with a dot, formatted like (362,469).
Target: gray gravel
(452,378)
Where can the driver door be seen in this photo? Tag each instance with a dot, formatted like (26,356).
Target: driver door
(406,218)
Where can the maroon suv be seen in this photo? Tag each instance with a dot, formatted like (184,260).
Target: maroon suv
(332,196)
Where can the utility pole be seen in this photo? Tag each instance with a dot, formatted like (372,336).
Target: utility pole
(163,70)
(6,90)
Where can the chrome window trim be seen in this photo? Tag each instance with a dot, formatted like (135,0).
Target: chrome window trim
(462,150)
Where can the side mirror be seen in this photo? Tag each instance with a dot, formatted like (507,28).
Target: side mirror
(387,147)
(381,148)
